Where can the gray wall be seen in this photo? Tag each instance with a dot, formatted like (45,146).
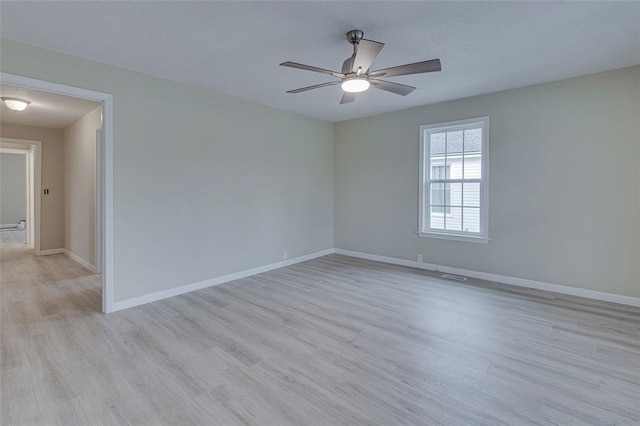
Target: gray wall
(204,184)
(13,188)
(564,183)
(52,178)
(207,185)
(80,184)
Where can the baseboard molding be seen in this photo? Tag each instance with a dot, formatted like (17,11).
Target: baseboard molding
(159,295)
(50,251)
(9,226)
(503,279)
(80,260)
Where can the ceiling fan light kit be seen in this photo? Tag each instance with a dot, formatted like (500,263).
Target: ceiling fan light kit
(356,75)
(355,84)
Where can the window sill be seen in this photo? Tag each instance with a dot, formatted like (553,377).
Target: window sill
(454,237)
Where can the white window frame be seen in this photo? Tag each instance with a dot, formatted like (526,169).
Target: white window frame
(424,213)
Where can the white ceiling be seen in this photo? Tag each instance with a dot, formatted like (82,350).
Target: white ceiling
(235,47)
(46,109)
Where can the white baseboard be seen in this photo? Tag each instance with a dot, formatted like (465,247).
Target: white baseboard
(80,260)
(50,251)
(163,294)
(519,282)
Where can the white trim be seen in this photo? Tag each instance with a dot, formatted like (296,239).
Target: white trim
(518,282)
(163,294)
(108,277)
(31,196)
(13,150)
(424,221)
(37,184)
(9,226)
(51,251)
(454,237)
(98,228)
(80,260)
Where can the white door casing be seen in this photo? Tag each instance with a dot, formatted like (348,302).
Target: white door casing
(106,203)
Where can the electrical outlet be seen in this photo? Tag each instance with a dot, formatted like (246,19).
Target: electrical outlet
(420,258)
(285,255)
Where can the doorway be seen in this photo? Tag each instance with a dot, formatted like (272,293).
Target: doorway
(103,181)
(23,222)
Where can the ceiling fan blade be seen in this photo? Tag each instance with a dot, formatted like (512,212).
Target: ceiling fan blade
(347,65)
(347,97)
(317,86)
(398,89)
(415,68)
(310,68)
(366,54)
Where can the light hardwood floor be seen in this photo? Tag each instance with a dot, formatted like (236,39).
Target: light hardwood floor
(330,341)
(13,235)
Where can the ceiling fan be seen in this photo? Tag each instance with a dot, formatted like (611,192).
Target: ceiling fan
(357,77)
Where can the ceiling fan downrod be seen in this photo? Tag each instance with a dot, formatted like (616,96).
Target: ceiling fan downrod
(354,37)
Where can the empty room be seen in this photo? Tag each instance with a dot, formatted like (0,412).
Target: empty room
(320,213)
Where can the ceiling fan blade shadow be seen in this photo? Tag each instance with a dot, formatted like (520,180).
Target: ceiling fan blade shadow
(311,68)
(398,89)
(317,86)
(432,65)
(366,54)
(347,97)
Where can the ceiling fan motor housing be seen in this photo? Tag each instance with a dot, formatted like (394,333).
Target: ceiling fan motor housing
(354,36)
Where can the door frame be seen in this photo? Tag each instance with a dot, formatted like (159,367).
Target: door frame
(33,165)
(106,99)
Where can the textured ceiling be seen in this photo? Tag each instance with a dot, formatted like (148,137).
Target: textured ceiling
(46,109)
(235,47)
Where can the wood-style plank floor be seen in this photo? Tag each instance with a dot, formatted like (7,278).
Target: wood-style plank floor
(331,341)
(13,235)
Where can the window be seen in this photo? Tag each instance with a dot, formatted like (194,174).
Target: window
(453,180)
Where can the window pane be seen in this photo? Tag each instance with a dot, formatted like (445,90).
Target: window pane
(471,194)
(438,168)
(437,195)
(453,194)
(439,172)
(437,144)
(454,219)
(437,220)
(472,166)
(454,142)
(473,140)
(471,219)
(455,167)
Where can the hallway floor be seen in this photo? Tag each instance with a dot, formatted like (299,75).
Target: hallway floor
(13,235)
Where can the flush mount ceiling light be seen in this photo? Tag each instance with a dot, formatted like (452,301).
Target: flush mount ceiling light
(15,104)
(355,84)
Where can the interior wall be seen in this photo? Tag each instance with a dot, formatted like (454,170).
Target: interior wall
(79,181)
(52,178)
(13,188)
(204,184)
(564,190)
